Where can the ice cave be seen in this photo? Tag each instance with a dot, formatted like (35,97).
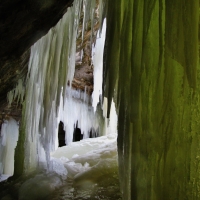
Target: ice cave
(99,99)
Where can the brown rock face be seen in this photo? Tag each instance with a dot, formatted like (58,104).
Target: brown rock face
(83,77)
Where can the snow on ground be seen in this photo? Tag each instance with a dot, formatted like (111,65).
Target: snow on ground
(86,162)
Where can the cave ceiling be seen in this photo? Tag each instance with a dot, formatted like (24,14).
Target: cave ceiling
(22,23)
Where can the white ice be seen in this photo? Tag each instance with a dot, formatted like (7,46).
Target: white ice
(8,141)
(85,161)
(88,159)
(76,108)
(48,100)
(97,59)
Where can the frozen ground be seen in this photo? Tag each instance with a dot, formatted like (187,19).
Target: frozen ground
(82,170)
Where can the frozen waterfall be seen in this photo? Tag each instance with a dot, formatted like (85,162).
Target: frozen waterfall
(49,100)
(48,96)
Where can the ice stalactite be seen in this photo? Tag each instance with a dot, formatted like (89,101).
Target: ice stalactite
(17,93)
(98,50)
(77,109)
(8,141)
(49,98)
(112,121)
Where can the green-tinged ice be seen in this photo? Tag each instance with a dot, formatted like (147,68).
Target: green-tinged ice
(152,62)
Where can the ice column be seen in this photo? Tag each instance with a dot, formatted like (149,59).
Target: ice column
(8,141)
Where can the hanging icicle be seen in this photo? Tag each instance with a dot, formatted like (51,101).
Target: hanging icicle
(17,93)
(48,96)
(98,50)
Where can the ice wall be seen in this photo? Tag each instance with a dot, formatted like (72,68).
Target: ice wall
(8,141)
(49,98)
(152,62)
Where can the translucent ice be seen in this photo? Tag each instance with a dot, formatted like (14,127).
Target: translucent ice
(8,141)
(39,186)
(49,98)
(17,93)
(97,59)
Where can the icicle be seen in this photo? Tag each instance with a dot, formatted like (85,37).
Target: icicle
(17,93)
(48,97)
(97,59)
(51,66)
(102,14)
(77,109)
(88,15)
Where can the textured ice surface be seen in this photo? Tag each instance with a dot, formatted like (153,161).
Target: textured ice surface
(88,162)
(76,108)
(39,186)
(93,168)
(88,156)
(97,59)
(3,177)
(47,101)
(110,123)
(17,93)
(8,141)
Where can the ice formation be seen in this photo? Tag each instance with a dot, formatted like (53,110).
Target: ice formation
(39,186)
(112,121)
(85,161)
(98,50)
(49,98)
(76,108)
(17,93)
(87,155)
(8,141)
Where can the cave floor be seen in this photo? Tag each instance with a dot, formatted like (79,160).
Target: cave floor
(106,189)
(82,170)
